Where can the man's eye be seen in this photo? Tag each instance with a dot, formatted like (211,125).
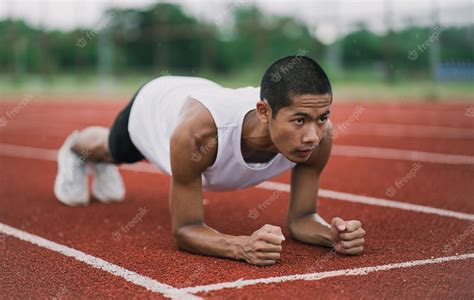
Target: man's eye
(299,121)
(323,120)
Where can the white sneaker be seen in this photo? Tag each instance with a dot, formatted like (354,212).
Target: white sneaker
(108,184)
(70,186)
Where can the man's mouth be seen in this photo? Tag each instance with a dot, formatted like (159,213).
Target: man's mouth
(306,151)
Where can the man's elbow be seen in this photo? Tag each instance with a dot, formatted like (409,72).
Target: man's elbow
(290,225)
(183,234)
(292,220)
(180,236)
(177,237)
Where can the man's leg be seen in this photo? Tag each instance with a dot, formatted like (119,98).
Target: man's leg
(99,148)
(89,147)
(92,143)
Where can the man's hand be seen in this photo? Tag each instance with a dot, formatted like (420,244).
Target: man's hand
(347,236)
(263,247)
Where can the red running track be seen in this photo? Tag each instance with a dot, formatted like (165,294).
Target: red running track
(394,235)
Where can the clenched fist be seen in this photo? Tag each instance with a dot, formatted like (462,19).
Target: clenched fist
(263,247)
(347,236)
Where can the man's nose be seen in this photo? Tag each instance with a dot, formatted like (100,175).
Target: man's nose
(311,136)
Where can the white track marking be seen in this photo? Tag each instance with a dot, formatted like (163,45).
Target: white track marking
(28,152)
(18,126)
(337,150)
(399,154)
(403,130)
(320,275)
(186,293)
(130,276)
(50,155)
(284,187)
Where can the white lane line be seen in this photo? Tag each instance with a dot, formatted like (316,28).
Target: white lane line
(321,275)
(399,154)
(337,150)
(18,126)
(334,195)
(130,276)
(45,154)
(403,130)
(28,152)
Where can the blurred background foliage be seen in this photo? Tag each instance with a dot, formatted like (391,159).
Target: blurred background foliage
(132,46)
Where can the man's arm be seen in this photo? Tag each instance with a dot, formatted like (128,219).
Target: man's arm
(302,219)
(303,222)
(192,150)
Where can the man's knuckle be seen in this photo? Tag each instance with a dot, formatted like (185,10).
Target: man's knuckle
(347,236)
(276,242)
(353,225)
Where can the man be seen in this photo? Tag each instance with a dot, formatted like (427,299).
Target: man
(212,138)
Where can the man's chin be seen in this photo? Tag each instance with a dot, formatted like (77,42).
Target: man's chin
(296,159)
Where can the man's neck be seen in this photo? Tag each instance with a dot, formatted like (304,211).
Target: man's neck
(256,144)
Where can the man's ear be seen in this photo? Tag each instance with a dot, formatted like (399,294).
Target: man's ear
(264,111)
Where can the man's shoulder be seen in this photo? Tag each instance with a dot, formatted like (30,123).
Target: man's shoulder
(196,122)
(194,139)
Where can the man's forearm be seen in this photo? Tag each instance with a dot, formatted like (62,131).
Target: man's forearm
(308,230)
(201,239)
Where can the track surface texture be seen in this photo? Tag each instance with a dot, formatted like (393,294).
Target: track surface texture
(404,170)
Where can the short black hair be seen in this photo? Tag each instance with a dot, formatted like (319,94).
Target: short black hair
(291,76)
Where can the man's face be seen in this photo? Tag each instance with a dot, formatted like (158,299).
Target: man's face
(298,129)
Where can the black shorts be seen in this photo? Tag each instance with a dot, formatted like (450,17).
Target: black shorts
(120,145)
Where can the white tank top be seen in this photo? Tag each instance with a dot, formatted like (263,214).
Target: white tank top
(155,113)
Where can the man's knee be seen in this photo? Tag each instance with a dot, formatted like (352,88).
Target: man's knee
(93,143)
